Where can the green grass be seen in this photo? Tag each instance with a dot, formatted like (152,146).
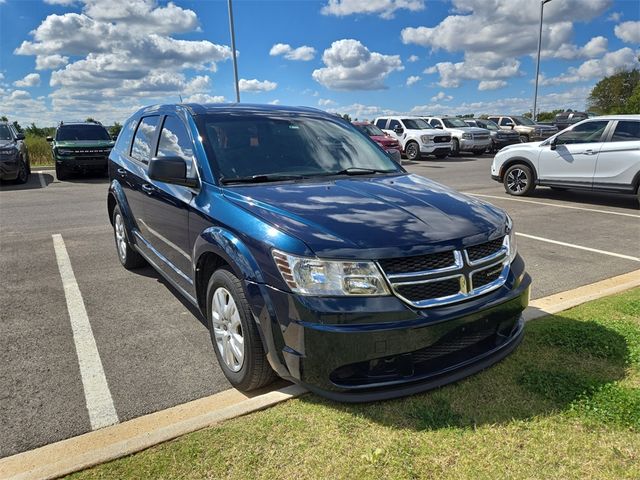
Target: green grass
(39,150)
(565,405)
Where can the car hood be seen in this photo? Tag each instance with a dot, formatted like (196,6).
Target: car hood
(475,130)
(383,139)
(373,217)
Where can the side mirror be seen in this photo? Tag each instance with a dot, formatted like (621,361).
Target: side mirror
(49,139)
(20,136)
(171,170)
(553,144)
(398,130)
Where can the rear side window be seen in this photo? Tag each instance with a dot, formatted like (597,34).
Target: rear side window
(381,123)
(626,131)
(176,142)
(393,124)
(141,148)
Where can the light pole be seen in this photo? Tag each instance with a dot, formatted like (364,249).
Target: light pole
(233,51)
(535,95)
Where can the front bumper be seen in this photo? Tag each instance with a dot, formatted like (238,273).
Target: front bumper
(470,145)
(9,167)
(81,163)
(435,148)
(364,349)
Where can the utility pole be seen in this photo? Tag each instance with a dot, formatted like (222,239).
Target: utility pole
(233,51)
(535,95)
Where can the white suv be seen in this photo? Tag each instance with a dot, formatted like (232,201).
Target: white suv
(416,137)
(464,138)
(601,153)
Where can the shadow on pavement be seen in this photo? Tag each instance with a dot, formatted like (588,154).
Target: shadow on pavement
(589,198)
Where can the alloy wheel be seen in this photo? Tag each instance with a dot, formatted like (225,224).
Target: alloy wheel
(121,238)
(517,180)
(227,329)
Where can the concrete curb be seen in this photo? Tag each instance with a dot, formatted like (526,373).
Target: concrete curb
(42,169)
(100,446)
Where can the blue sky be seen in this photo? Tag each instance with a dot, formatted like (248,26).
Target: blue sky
(69,59)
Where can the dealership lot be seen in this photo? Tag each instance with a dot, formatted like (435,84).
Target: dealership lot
(153,347)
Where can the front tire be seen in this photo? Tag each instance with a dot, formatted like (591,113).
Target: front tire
(518,180)
(455,147)
(524,138)
(234,333)
(412,151)
(128,256)
(23,172)
(61,172)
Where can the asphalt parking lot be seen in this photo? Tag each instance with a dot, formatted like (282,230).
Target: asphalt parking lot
(154,348)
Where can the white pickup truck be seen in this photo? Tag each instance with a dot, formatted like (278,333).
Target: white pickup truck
(463,137)
(415,136)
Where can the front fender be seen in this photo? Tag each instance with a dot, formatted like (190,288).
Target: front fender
(224,243)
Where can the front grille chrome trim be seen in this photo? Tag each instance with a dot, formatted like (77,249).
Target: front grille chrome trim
(457,265)
(504,250)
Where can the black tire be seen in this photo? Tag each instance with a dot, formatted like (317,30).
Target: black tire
(524,138)
(128,256)
(518,180)
(255,371)
(442,155)
(61,172)
(455,147)
(412,150)
(23,172)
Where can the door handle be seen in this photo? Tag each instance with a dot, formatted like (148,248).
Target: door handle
(121,172)
(148,188)
(589,152)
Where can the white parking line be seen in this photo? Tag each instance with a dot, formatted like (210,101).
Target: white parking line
(43,183)
(579,247)
(610,212)
(96,390)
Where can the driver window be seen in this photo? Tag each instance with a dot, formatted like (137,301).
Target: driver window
(505,121)
(393,124)
(589,132)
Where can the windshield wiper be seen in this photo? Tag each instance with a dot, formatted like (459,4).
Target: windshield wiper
(359,171)
(263,178)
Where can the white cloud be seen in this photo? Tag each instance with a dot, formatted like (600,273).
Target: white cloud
(204,98)
(568,51)
(19,95)
(50,62)
(628,32)
(274,102)
(351,66)
(441,96)
(358,110)
(303,53)
(413,58)
(60,2)
(412,80)
(491,84)
(384,8)
(502,30)
(609,64)
(615,17)
(30,80)
(255,85)
(325,102)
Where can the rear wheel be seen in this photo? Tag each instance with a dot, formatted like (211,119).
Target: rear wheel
(518,180)
(412,150)
(234,333)
(129,258)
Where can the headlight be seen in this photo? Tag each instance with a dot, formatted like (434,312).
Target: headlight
(467,136)
(313,276)
(513,247)
(425,138)
(9,150)
(64,151)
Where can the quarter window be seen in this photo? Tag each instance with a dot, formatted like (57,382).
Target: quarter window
(626,131)
(175,142)
(141,149)
(589,132)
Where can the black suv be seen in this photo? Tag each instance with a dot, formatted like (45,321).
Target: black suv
(80,147)
(14,158)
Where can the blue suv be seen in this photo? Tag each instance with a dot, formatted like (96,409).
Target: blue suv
(312,254)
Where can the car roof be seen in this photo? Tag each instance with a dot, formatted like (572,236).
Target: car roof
(222,108)
(615,117)
(361,123)
(80,123)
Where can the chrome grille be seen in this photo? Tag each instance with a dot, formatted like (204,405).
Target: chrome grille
(481,136)
(441,139)
(448,277)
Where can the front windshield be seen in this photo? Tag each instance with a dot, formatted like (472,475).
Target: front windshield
(5,134)
(370,130)
(272,145)
(454,123)
(82,132)
(415,124)
(523,121)
(488,124)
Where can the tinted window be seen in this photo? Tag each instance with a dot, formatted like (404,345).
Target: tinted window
(505,121)
(175,142)
(82,132)
(246,146)
(141,149)
(415,124)
(588,132)
(626,131)
(488,124)
(523,121)
(5,133)
(124,137)
(393,124)
(370,130)
(454,122)
(381,122)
